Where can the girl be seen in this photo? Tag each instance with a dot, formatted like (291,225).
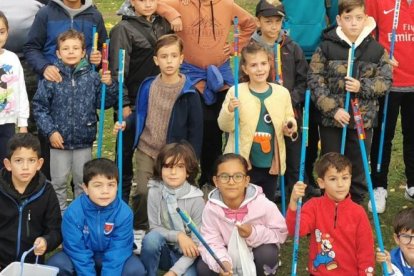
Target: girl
(14,105)
(169,245)
(237,206)
(265,110)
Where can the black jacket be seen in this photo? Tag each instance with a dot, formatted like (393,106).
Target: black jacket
(24,217)
(137,36)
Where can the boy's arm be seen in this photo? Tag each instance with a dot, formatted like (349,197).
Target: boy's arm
(273,231)
(41,104)
(376,86)
(320,92)
(111,95)
(168,9)
(74,244)
(33,49)
(52,220)
(247,25)
(226,118)
(307,216)
(365,244)
(301,69)
(120,248)
(195,121)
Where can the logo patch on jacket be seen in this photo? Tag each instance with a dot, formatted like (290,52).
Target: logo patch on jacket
(108,227)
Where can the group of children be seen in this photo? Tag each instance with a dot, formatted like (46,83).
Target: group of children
(240,221)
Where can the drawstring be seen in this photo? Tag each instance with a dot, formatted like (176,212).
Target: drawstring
(212,19)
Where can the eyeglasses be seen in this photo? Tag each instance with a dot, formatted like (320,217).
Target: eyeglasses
(225,178)
(405,239)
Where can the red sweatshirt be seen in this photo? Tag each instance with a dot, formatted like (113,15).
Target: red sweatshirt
(383,13)
(341,242)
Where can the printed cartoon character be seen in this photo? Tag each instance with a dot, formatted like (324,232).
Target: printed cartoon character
(326,255)
(264,138)
(6,79)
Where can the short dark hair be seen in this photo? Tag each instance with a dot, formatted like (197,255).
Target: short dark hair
(71,34)
(345,6)
(404,220)
(177,151)
(167,40)
(332,160)
(4,18)
(99,166)
(228,157)
(23,140)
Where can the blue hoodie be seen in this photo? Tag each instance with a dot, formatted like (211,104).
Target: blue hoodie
(89,230)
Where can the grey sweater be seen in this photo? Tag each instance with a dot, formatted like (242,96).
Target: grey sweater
(192,203)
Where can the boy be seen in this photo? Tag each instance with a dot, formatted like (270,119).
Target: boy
(341,236)
(400,261)
(269,18)
(97,228)
(66,112)
(206,27)
(328,81)
(168,110)
(30,212)
(401,96)
(137,34)
(40,48)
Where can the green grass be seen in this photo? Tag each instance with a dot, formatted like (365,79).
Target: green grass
(396,185)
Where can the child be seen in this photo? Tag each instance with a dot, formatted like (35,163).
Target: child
(400,261)
(400,97)
(30,212)
(341,236)
(206,28)
(169,245)
(97,228)
(66,112)
(237,206)
(328,83)
(55,18)
(168,110)
(14,105)
(293,65)
(264,109)
(137,34)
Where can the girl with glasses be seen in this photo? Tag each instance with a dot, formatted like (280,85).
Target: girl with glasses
(238,209)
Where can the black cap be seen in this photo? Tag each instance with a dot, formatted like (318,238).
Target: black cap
(267,8)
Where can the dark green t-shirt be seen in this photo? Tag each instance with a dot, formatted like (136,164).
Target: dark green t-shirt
(262,151)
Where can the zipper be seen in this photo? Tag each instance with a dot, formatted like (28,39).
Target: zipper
(28,224)
(336,214)
(99,236)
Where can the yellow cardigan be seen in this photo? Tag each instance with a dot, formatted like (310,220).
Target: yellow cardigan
(279,107)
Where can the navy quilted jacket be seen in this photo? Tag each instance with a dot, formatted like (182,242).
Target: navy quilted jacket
(70,106)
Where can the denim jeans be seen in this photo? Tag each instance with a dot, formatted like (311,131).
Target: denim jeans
(157,254)
(132,266)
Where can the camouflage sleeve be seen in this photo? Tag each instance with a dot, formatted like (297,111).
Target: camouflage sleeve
(318,84)
(375,85)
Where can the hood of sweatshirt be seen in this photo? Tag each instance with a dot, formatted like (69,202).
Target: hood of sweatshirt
(192,190)
(252,191)
(72,12)
(336,33)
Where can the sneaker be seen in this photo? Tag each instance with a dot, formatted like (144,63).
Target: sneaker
(138,237)
(380,196)
(409,194)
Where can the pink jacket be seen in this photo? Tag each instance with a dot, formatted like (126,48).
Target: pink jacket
(269,225)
